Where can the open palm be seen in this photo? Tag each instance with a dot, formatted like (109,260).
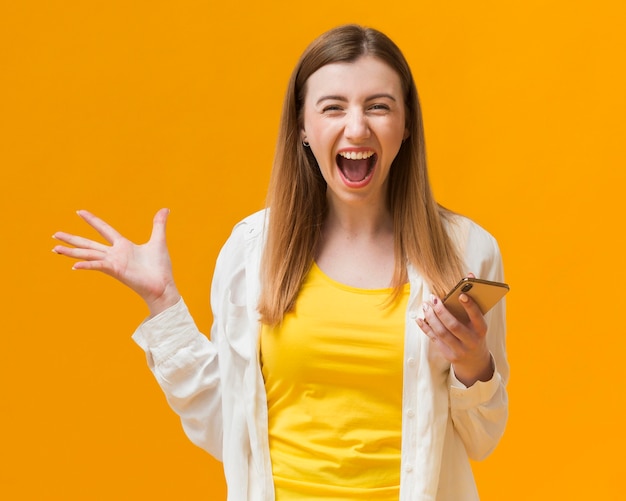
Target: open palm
(145,268)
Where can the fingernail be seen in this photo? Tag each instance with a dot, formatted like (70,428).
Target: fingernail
(433,298)
(463,298)
(425,306)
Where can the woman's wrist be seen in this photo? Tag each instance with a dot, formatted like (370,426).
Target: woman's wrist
(169,298)
(482,371)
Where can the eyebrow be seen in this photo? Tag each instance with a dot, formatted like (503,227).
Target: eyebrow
(344,99)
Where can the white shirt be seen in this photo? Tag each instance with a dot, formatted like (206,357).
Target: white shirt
(217,389)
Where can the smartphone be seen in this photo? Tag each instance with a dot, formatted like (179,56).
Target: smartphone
(485,292)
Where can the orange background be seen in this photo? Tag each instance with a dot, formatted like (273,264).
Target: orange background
(125,107)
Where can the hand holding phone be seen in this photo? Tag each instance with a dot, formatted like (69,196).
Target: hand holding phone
(484,292)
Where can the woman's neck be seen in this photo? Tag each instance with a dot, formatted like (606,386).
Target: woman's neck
(357,221)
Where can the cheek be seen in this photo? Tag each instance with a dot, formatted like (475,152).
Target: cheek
(320,137)
(308,119)
(323,158)
(399,134)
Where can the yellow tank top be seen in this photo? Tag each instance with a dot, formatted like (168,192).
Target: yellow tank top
(333,375)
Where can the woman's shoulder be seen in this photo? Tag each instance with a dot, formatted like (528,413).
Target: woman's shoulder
(241,252)
(465,230)
(252,225)
(478,246)
(245,239)
(246,230)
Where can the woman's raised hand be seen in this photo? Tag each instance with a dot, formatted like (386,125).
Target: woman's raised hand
(145,268)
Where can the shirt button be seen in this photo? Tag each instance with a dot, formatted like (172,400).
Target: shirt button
(413,315)
(411,362)
(409,468)
(410,413)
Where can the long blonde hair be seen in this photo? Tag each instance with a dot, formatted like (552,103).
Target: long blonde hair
(297,191)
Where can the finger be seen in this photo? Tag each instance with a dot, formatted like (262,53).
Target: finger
(438,339)
(426,329)
(93,266)
(104,229)
(77,241)
(77,253)
(440,327)
(446,319)
(476,317)
(159,224)
(471,275)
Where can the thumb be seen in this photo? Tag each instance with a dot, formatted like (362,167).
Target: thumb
(159,224)
(474,314)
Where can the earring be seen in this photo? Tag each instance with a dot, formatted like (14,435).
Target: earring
(305,143)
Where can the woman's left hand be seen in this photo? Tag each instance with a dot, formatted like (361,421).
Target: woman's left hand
(464,345)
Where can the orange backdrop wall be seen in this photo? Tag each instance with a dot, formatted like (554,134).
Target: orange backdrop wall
(126,107)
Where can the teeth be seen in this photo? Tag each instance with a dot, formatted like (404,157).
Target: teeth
(354,155)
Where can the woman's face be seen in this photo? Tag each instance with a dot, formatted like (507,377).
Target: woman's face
(354,121)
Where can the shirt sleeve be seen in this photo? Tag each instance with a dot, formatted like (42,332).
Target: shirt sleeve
(480,412)
(185,365)
(198,375)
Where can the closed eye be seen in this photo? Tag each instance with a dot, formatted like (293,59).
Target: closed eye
(379,107)
(331,108)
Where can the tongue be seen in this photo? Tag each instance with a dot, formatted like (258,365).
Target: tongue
(355,170)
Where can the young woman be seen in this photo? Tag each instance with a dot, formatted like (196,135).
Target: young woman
(333,371)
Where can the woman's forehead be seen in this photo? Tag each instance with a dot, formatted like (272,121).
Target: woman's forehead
(366,75)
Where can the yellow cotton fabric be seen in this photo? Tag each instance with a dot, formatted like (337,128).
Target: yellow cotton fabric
(333,376)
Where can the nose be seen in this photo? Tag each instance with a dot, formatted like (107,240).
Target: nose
(357,128)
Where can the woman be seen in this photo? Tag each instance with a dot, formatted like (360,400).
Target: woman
(333,370)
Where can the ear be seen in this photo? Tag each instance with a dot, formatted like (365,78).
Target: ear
(302,135)
(406,135)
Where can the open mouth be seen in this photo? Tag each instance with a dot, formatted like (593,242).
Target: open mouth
(356,167)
